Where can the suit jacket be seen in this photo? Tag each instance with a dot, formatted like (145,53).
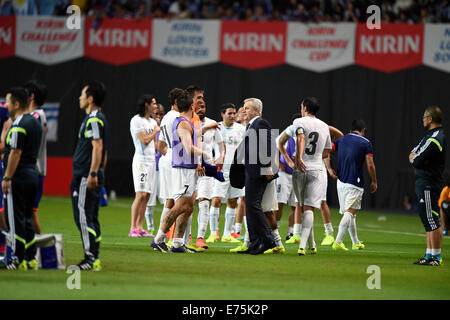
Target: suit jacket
(255,155)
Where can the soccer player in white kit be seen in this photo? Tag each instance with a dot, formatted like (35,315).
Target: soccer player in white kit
(232,134)
(205,185)
(313,143)
(149,212)
(143,130)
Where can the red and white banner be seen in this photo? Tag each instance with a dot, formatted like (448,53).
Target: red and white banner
(253,45)
(186,43)
(47,39)
(392,48)
(320,47)
(118,41)
(7,36)
(437,46)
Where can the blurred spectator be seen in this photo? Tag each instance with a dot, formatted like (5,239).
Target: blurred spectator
(351,14)
(259,14)
(24,7)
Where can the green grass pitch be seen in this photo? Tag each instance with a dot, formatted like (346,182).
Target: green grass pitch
(133,270)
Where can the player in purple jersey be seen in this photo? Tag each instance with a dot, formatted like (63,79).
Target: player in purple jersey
(184,176)
(353,150)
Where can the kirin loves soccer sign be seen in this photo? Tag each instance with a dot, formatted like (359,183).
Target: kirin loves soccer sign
(392,48)
(253,45)
(118,41)
(7,36)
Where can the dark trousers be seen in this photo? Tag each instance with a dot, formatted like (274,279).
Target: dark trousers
(19,211)
(428,206)
(258,229)
(85,205)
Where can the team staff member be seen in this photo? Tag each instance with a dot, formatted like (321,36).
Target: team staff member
(428,160)
(37,92)
(20,180)
(88,177)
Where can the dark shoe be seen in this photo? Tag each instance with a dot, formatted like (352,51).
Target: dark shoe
(422,261)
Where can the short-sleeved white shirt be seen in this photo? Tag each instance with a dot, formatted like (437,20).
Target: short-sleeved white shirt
(232,137)
(138,124)
(317,138)
(166,133)
(210,136)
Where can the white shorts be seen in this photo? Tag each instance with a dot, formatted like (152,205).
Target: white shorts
(224,189)
(165,176)
(205,186)
(325,184)
(285,190)
(349,195)
(183,182)
(144,175)
(152,201)
(308,187)
(269,199)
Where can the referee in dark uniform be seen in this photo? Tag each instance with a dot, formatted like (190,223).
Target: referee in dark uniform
(20,180)
(88,175)
(428,159)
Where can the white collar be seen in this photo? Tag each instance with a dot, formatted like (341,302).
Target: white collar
(253,120)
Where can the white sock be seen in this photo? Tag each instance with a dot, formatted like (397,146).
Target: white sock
(311,242)
(203,217)
(278,224)
(230,214)
(328,228)
(352,230)
(187,232)
(277,238)
(149,217)
(297,229)
(245,223)
(343,227)
(435,252)
(177,242)
(214,219)
(160,236)
(290,230)
(246,239)
(307,225)
(238,227)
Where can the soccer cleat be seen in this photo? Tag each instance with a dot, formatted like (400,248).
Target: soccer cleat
(161,247)
(422,261)
(280,249)
(145,233)
(97,266)
(327,240)
(293,239)
(433,261)
(288,236)
(86,264)
(358,246)
(301,252)
(235,235)
(211,239)
(182,249)
(217,235)
(17,266)
(230,239)
(32,265)
(337,246)
(239,248)
(313,250)
(241,238)
(134,234)
(190,246)
(200,243)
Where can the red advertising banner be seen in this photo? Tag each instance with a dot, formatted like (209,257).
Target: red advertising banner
(7,36)
(118,41)
(392,48)
(253,45)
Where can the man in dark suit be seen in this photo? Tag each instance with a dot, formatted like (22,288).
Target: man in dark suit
(256,151)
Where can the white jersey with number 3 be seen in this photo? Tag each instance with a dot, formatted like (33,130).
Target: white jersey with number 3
(317,138)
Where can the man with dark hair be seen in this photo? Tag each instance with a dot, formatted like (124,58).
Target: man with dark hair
(37,93)
(20,180)
(143,131)
(353,150)
(184,177)
(313,143)
(428,160)
(88,175)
